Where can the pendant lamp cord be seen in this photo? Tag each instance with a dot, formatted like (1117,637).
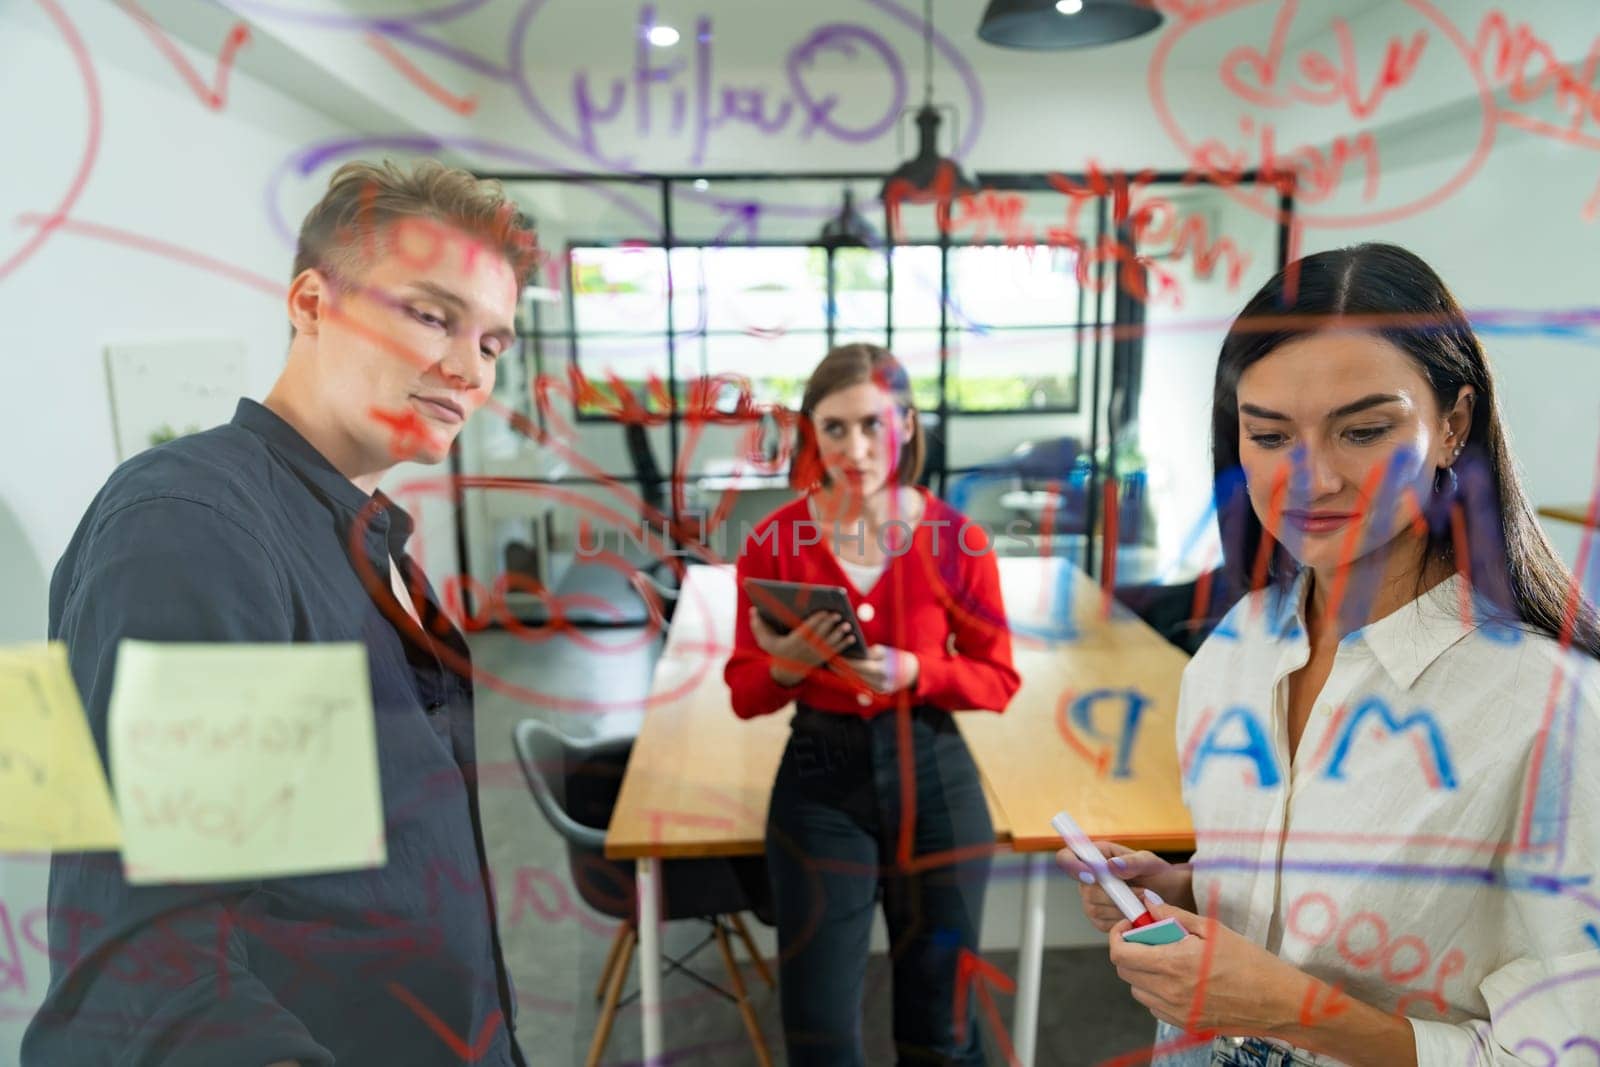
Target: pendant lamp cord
(927,53)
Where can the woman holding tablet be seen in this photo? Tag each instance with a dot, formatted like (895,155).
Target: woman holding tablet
(1357,895)
(877,795)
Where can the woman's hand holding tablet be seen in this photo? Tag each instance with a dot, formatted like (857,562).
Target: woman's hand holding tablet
(785,606)
(823,612)
(883,669)
(820,637)
(801,626)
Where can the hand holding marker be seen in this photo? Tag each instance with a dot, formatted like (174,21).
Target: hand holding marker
(1147,930)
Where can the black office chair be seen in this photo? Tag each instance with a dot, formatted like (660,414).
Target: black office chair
(575,786)
(1038,464)
(1170,609)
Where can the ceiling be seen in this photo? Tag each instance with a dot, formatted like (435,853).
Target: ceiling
(573,33)
(304,47)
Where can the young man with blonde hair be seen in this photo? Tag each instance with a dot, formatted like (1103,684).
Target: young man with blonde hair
(272,529)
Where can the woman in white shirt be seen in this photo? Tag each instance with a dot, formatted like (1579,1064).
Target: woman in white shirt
(1389,745)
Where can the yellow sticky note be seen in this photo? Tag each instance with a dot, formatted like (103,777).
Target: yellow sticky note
(53,794)
(234,761)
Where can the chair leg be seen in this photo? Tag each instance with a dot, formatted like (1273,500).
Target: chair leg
(611,961)
(608,1011)
(750,946)
(745,1011)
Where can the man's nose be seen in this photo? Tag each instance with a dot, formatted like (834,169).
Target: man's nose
(461,365)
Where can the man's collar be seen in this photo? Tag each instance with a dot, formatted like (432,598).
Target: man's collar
(383,515)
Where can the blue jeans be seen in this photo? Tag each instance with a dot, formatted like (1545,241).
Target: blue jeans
(832,840)
(1253,1052)
(1224,1052)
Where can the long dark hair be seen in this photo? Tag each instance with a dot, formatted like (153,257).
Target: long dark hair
(1395,295)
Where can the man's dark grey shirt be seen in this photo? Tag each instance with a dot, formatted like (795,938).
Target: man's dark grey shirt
(246,533)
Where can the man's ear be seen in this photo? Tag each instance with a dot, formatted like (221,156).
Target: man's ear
(309,297)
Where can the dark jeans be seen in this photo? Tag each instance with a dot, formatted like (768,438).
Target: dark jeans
(1252,1052)
(833,834)
(1223,1052)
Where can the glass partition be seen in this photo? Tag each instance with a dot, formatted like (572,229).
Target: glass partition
(1200,256)
(1061,355)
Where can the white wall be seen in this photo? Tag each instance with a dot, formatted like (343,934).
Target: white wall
(1514,239)
(168,170)
(1512,236)
(1180,359)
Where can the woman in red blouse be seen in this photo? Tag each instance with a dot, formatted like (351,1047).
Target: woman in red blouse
(877,794)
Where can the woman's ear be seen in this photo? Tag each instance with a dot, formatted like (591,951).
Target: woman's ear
(1458,424)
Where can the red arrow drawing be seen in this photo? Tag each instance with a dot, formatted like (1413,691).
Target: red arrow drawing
(461,105)
(975,972)
(1101,759)
(48,224)
(466,1053)
(215,95)
(1334,1002)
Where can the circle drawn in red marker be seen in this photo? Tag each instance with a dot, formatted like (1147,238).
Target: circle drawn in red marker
(91,87)
(1262,202)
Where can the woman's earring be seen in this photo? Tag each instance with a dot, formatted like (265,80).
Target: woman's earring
(1446,476)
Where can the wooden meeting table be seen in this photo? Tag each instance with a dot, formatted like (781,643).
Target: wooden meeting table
(1091,730)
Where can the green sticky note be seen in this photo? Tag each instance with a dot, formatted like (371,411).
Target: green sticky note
(236,761)
(53,794)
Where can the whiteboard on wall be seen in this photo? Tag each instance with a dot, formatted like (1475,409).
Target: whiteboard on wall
(165,389)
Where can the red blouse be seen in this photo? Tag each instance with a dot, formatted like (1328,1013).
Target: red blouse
(939,598)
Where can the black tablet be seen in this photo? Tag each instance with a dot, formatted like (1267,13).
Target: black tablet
(785,605)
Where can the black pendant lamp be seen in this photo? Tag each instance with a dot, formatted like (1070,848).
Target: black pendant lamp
(847,229)
(1049,24)
(927,177)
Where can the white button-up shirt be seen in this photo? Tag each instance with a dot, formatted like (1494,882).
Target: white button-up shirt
(1432,848)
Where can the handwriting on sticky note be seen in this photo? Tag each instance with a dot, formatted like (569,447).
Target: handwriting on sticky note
(53,793)
(234,761)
